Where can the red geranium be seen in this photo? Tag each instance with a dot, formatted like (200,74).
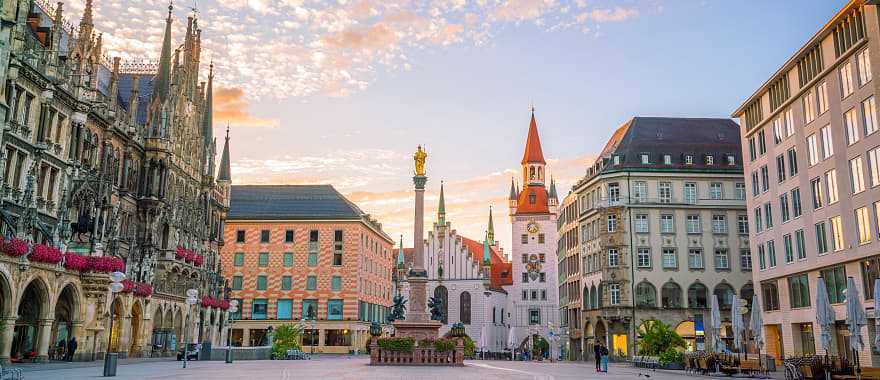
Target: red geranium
(199,260)
(104,264)
(73,261)
(143,289)
(128,286)
(180,253)
(45,254)
(15,247)
(224,304)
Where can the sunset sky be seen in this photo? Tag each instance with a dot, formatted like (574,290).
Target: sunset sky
(341,92)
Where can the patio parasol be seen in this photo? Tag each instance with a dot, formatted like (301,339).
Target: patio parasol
(757,326)
(824,318)
(855,319)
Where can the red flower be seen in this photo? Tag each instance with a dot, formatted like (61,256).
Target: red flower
(143,289)
(104,264)
(15,247)
(199,260)
(180,253)
(45,254)
(190,257)
(73,261)
(128,286)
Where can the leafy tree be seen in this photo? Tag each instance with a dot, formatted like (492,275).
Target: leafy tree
(658,337)
(286,337)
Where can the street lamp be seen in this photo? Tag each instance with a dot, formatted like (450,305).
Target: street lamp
(110,359)
(233,308)
(191,299)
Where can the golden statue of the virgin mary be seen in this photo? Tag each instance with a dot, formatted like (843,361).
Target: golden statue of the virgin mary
(419,158)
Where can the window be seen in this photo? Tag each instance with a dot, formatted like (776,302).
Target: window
(783,208)
(753,154)
(719,224)
(288,259)
(263,259)
(693,224)
(236,282)
(542,277)
(239,236)
(646,295)
(851,126)
(667,159)
(288,236)
(780,168)
(541,238)
(796,202)
(336,283)
(874,166)
(836,234)
(664,190)
(857,179)
(524,239)
(831,185)
(762,257)
(813,149)
(640,191)
(613,193)
(525,277)
(821,238)
(877,215)
(670,259)
(869,113)
(616,159)
(863,225)
(309,309)
(614,292)
(864,62)
(816,189)
(742,224)
(792,162)
(835,282)
(768,215)
(311,283)
(258,310)
(284,309)
(334,310)
(690,192)
(789,250)
(827,142)
(762,143)
(261,282)
(612,223)
(644,258)
(756,185)
(789,122)
(695,258)
(745,259)
(716,191)
(809,107)
(722,260)
(771,254)
(710,160)
(822,91)
(667,223)
(313,248)
(800,244)
(525,295)
(799,291)
(698,296)
(870,273)
(264,236)
(543,295)
(846,79)
(765,179)
(465,310)
(613,258)
(534,316)
(771,296)
(337,247)
(313,259)
(740,191)
(238,259)
(641,224)
(759,224)
(645,158)
(778,129)
(286,282)
(689,159)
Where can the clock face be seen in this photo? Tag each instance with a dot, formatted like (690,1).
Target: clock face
(532,227)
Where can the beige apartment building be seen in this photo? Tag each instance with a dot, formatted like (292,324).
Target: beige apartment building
(810,136)
(568,257)
(662,226)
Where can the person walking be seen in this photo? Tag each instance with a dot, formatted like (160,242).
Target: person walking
(597,354)
(71,348)
(604,358)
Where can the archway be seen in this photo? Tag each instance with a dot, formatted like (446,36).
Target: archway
(159,336)
(671,295)
(687,331)
(697,296)
(168,330)
(66,310)
(118,311)
(6,304)
(601,333)
(178,329)
(32,306)
(137,316)
(539,346)
(646,295)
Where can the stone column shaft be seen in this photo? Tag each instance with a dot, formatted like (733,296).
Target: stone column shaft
(45,335)
(6,335)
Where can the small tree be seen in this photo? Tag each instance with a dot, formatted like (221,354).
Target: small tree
(658,337)
(286,337)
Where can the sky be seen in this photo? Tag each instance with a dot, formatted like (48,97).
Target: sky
(342,92)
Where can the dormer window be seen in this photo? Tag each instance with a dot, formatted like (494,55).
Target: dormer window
(710,160)
(667,159)
(615,160)
(645,159)
(731,159)
(689,159)
(532,198)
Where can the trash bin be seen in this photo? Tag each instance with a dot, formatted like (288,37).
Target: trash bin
(110,364)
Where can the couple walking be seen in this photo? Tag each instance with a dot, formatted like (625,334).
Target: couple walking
(601,355)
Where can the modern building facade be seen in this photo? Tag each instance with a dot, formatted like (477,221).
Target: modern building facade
(569,269)
(809,133)
(306,255)
(105,159)
(662,226)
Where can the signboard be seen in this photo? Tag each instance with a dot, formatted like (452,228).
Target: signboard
(699,329)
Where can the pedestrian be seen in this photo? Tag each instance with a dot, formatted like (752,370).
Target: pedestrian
(71,348)
(604,359)
(597,354)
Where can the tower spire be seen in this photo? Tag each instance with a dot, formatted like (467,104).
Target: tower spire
(400,255)
(441,210)
(513,193)
(553,194)
(208,119)
(486,250)
(224,174)
(491,234)
(163,76)
(533,153)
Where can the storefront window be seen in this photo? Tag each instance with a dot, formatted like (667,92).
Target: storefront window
(259,309)
(337,337)
(309,337)
(870,273)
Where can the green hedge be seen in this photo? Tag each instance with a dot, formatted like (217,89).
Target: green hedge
(397,344)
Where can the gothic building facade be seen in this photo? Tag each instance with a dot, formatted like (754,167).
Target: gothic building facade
(105,166)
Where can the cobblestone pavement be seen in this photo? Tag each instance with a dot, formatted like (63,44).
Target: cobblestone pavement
(345,367)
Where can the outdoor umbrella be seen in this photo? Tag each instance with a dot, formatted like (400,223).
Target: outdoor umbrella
(717,345)
(511,342)
(877,312)
(483,340)
(825,319)
(757,326)
(736,322)
(855,319)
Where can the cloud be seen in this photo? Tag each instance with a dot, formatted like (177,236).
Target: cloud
(230,106)
(617,14)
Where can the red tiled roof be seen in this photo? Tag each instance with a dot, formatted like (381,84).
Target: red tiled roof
(500,269)
(541,205)
(533,151)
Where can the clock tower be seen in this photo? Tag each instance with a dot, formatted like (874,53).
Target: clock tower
(533,300)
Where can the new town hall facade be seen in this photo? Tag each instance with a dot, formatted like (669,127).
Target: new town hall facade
(503,303)
(105,166)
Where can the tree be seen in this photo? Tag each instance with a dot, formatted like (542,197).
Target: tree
(286,337)
(657,337)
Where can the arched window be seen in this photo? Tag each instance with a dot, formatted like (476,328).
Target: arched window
(671,295)
(586,298)
(599,292)
(697,295)
(465,308)
(594,297)
(646,295)
(502,316)
(725,295)
(442,295)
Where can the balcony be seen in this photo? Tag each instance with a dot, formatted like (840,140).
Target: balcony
(669,202)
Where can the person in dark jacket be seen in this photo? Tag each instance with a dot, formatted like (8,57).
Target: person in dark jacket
(71,348)
(597,354)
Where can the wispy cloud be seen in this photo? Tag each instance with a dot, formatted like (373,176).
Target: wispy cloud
(231,106)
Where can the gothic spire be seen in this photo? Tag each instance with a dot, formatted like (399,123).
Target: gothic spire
(163,76)
(491,234)
(223,175)
(208,119)
(533,152)
(87,15)
(513,193)
(400,256)
(553,189)
(441,210)
(486,250)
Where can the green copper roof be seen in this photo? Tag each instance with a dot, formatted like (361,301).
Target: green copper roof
(400,254)
(491,233)
(486,250)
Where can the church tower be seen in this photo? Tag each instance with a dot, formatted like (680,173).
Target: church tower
(534,293)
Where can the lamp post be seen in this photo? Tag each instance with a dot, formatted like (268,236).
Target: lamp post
(233,308)
(191,299)
(110,359)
